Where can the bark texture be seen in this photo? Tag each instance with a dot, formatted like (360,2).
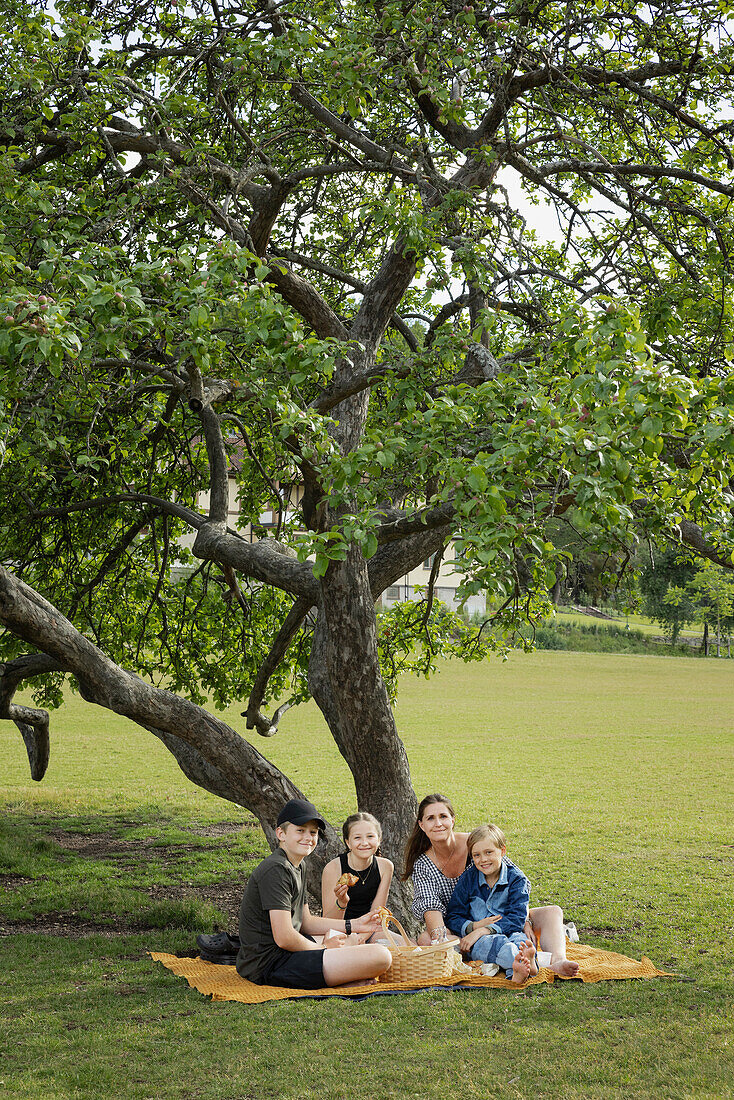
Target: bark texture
(346,682)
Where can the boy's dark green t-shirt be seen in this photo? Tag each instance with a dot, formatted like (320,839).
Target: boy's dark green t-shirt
(274,884)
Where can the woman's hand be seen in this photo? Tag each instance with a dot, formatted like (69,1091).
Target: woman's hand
(467,942)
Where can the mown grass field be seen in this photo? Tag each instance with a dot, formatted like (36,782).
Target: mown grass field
(635,622)
(612,777)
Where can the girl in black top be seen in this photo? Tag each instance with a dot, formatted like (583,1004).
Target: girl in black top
(362,835)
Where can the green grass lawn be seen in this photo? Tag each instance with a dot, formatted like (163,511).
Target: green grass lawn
(612,777)
(636,622)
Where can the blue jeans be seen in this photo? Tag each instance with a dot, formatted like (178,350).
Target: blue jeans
(499,949)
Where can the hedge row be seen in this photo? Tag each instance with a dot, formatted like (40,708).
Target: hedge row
(605,638)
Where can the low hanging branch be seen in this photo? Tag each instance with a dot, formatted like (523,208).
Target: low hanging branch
(32,722)
(241,770)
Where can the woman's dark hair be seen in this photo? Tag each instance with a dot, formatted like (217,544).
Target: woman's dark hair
(418,842)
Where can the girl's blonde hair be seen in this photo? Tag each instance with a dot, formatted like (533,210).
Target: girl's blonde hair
(490,832)
(361,816)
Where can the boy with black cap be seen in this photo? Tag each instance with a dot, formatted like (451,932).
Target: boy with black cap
(277,929)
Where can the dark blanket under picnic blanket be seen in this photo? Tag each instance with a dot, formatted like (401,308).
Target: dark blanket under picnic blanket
(223,983)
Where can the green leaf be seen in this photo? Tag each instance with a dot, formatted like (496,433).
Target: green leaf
(320,565)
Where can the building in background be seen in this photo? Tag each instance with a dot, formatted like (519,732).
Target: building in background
(411,586)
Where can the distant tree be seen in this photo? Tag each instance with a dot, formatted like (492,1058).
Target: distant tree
(664,584)
(712,590)
(276,240)
(589,572)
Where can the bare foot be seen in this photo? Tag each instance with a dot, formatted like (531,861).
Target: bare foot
(527,950)
(564,968)
(520,969)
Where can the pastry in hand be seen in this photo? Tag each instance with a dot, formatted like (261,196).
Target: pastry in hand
(347,880)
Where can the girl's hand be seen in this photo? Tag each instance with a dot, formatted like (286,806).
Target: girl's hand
(342,895)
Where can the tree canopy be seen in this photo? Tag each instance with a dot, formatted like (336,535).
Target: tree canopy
(284,244)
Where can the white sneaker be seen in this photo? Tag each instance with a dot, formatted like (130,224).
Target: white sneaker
(571,934)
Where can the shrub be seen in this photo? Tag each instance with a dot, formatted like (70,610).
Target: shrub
(604,638)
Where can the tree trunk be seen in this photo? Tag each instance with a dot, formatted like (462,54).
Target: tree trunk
(346,682)
(557,590)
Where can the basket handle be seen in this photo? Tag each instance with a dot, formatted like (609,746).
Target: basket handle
(405,945)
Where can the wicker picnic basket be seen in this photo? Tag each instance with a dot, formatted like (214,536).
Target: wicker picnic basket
(416,964)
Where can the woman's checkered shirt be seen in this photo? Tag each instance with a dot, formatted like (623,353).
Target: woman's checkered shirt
(431,888)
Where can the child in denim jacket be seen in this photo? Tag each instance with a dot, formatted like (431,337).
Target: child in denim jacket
(489,907)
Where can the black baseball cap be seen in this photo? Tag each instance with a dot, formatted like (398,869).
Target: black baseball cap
(299,812)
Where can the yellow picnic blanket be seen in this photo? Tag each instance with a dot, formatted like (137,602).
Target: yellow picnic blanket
(223,983)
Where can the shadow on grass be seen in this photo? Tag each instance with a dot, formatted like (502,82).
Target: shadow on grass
(113,874)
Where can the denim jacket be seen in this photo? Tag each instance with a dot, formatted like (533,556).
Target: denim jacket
(472,900)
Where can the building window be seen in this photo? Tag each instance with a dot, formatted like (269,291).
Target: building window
(393,592)
(428,563)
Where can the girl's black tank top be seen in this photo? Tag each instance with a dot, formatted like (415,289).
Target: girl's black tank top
(362,894)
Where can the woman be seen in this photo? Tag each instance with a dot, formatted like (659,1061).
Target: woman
(435,858)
